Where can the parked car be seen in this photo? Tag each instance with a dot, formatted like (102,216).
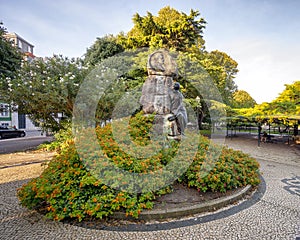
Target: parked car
(7,132)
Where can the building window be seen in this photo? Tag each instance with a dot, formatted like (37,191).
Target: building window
(4,110)
(20,45)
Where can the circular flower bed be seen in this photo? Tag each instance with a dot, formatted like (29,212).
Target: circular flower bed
(68,190)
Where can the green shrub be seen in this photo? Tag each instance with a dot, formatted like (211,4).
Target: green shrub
(60,137)
(67,189)
(231,170)
(140,127)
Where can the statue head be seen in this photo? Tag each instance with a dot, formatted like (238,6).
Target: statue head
(176,86)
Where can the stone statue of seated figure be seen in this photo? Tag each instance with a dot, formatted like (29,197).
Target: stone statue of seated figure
(178,110)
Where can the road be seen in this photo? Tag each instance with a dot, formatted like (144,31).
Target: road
(21,144)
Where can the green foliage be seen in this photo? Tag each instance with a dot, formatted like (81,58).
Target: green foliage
(123,87)
(233,169)
(198,75)
(285,108)
(177,31)
(67,189)
(288,102)
(10,61)
(242,99)
(45,88)
(139,128)
(102,48)
(60,137)
(222,70)
(170,29)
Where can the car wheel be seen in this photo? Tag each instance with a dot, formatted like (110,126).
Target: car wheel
(22,135)
(0,136)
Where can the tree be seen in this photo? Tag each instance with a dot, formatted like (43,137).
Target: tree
(288,102)
(122,94)
(222,69)
(45,89)
(284,109)
(170,29)
(10,61)
(242,99)
(102,48)
(183,33)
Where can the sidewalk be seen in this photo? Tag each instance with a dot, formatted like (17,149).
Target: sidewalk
(35,133)
(276,214)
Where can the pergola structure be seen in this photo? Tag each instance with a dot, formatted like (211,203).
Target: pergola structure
(289,122)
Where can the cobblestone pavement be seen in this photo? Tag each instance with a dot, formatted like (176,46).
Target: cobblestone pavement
(275,216)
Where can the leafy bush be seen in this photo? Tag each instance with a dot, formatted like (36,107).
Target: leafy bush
(140,127)
(60,137)
(232,169)
(68,189)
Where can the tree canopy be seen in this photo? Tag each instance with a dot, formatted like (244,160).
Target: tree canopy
(242,99)
(170,29)
(102,48)
(288,101)
(46,88)
(222,69)
(178,32)
(183,33)
(285,106)
(10,60)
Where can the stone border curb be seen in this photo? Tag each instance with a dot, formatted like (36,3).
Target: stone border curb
(168,224)
(179,212)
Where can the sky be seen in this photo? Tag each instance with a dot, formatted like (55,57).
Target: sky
(261,35)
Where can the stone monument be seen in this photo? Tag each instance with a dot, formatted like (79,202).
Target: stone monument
(159,95)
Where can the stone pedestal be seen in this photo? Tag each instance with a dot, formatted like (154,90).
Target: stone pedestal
(157,89)
(158,126)
(155,94)
(162,127)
